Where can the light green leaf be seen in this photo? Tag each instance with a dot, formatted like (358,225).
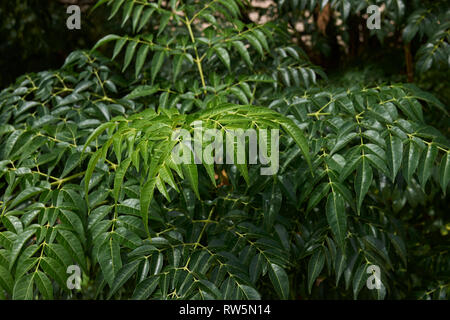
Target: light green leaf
(426,164)
(318,194)
(337,217)
(279,279)
(340,264)
(145,288)
(98,131)
(136,15)
(350,166)
(145,199)
(110,260)
(363,181)
(315,266)
(115,8)
(25,195)
(210,288)
(123,275)
(296,133)
(105,39)
(55,270)
(90,170)
(73,245)
(118,178)
(23,288)
(240,47)
(44,285)
(399,246)
(255,43)
(444,172)
(411,160)
(142,91)
(394,154)
(6,280)
(191,173)
(129,53)
(250,293)
(127,10)
(118,47)
(140,58)
(359,279)
(157,63)
(18,244)
(222,53)
(145,18)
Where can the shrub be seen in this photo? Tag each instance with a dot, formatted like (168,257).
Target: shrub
(87,176)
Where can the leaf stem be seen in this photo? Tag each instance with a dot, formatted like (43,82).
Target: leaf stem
(198,60)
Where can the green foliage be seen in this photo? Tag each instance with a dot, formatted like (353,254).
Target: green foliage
(87,176)
(423,23)
(34,36)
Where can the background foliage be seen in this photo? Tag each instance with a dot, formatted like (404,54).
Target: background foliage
(87,178)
